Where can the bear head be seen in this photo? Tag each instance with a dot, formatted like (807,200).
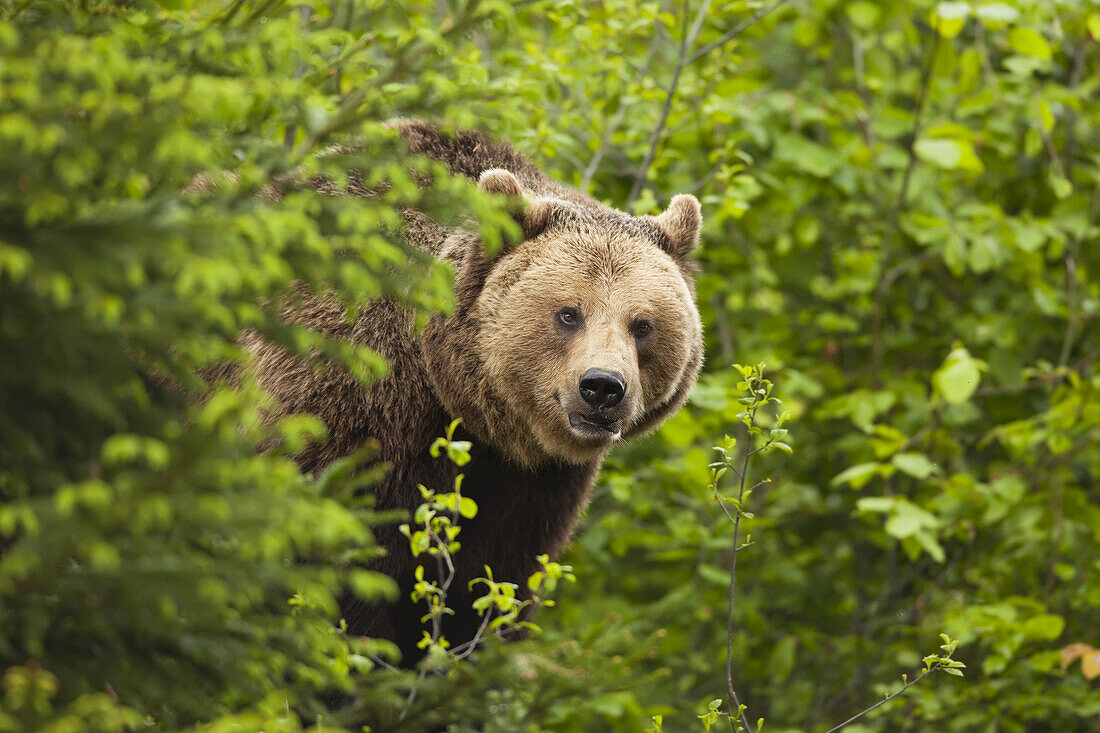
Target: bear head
(584,333)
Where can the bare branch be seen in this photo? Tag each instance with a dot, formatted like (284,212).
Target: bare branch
(1074,319)
(885,700)
(687,39)
(895,212)
(756,17)
(620,115)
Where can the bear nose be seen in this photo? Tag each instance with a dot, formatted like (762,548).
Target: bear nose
(601,388)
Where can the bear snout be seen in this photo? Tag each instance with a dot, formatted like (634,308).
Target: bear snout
(602,389)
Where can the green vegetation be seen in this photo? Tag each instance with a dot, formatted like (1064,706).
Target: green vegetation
(901,204)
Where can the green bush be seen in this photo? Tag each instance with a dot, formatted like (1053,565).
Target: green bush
(154,565)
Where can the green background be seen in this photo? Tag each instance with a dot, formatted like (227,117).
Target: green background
(900,204)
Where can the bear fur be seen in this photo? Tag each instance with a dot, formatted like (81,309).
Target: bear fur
(508,364)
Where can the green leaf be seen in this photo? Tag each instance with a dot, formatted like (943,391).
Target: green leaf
(1044,627)
(876,504)
(857,475)
(995,14)
(930,544)
(948,18)
(948,153)
(1093,24)
(959,376)
(467,507)
(1029,42)
(864,15)
(915,464)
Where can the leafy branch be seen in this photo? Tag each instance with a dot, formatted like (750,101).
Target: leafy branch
(932,663)
(758,394)
(757,391)
(434,532)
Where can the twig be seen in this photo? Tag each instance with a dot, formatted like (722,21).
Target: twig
(467,648)
(687,38)
(1074,320)
(1039,381)
(382,663)
(620,115)
(864,94)
(687,57)
(983,52)
(886,699)
(722,326)
(304,14)
(734,703)
(13,14)
(757,16)
(412,694)
(895,211)
(1071,114)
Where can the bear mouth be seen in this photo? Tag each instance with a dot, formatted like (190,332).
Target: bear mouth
(595,425)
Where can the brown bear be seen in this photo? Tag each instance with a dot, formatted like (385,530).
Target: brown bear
(582,335)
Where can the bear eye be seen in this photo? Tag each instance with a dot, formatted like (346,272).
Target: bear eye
(570,317)
(642,329)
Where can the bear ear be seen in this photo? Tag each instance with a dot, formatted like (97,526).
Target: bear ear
(500,181)
(681,222)
(533,215)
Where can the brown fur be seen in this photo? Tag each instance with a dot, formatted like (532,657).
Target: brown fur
(505,365)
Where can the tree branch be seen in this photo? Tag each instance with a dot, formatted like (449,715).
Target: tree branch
(757,16)
(885,700)
(734,703)
(895,211)
(620,115)
(687,38)
(1074,320)
(1038,382)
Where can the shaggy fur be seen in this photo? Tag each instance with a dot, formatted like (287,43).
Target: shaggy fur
(508,365)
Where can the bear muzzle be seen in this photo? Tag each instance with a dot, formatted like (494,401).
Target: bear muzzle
(601,390)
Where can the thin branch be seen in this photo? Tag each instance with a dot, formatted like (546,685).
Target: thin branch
(466,649)
(1071,114)
(620,115)
(1074,320)
(722,326)
(412,694)
(885,700)
(983,53)
(687,39)
(895,211)
(864,117)
(734,703)
(756,17)
(304,14)
(686,58)
(18,10)
(382,663)
(1040,381)
(918,123)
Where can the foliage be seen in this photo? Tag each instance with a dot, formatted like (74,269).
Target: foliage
(154,565)
(901,204)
